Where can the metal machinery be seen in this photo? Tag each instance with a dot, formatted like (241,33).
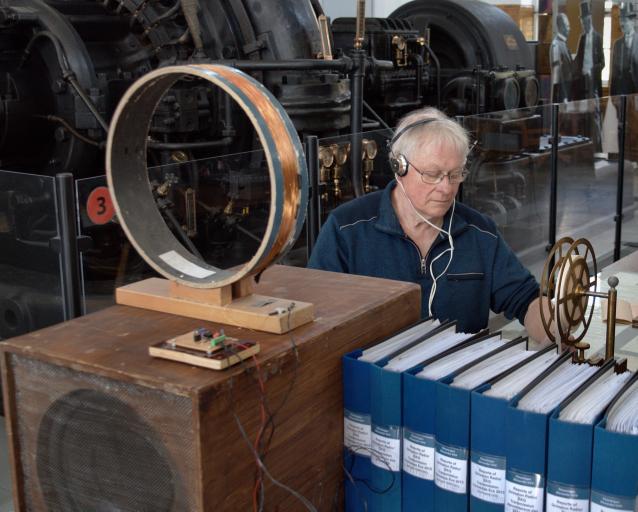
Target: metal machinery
(65,64)
(466,56)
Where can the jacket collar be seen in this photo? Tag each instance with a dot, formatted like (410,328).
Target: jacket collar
(388,222)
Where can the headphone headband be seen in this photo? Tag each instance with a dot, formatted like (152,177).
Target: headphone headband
(398,135)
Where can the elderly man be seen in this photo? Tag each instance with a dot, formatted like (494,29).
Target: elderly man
(414,230)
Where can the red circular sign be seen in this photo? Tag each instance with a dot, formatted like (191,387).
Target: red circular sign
(99,206)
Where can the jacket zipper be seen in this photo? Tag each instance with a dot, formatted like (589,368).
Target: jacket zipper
(421,257)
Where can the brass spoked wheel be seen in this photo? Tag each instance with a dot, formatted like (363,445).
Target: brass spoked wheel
(572,275)
(548,283)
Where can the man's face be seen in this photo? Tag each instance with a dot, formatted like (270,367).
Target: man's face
(433,201)
(586,22)
(627,25)
(567,27)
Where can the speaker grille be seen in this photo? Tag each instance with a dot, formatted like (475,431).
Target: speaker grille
(92,443)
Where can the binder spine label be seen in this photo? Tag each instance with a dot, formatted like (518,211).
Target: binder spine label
(488,478)
(602,502)
(450,468)
(567,498)
(386,447)
(357,432)
(524,492)
(418,454)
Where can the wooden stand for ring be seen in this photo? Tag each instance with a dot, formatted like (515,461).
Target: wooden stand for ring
(232,305)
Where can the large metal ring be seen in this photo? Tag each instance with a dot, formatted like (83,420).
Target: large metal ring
(131,191)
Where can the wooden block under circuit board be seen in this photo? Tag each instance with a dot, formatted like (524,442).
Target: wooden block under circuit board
(184,349)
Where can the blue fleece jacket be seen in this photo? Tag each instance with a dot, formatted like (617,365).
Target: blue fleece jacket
(364,237)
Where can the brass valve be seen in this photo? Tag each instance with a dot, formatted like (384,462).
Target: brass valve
(340,153)
(326,161)
(400,51)
(164,188)
(369,152)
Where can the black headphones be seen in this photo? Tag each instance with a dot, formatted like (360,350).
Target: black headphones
(399,163)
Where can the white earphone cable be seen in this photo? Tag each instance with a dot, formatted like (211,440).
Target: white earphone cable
(418,213)
(450,241)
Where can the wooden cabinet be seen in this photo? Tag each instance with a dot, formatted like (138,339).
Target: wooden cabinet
(86,394)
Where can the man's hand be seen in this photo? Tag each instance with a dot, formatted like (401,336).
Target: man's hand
(534,323)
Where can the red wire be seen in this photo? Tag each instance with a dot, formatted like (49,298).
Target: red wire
(260,432)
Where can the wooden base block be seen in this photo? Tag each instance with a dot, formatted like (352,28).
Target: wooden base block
(259,312)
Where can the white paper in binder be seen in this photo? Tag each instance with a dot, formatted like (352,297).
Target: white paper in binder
(453,362)
(516,381)
(403,339)
(427,349)
(492,366)
(591,402)
(555,387)
(623,416)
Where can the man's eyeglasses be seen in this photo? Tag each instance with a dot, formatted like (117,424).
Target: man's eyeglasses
(434,178)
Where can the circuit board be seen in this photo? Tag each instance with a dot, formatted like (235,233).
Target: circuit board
(203,348)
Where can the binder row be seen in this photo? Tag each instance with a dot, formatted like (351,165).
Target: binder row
(484,424)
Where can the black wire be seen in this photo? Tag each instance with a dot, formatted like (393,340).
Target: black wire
(271,415)
(352,480)
(297,495)
(270,422)
(258,457)
(292,381)
(263,403)
(382,459)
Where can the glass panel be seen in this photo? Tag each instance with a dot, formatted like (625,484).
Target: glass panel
(335,170)
(217,207)
(509,177)
(110,261)
(30,290)
(630,191)
(587,176)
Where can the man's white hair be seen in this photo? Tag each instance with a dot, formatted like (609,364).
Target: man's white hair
(442,132)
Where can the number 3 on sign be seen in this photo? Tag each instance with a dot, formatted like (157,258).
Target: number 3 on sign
(99,206)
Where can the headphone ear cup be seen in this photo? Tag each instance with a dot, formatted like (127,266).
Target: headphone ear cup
(399,165)
(394,165)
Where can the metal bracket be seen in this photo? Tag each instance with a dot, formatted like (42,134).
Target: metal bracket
(84,243)
(261,43)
